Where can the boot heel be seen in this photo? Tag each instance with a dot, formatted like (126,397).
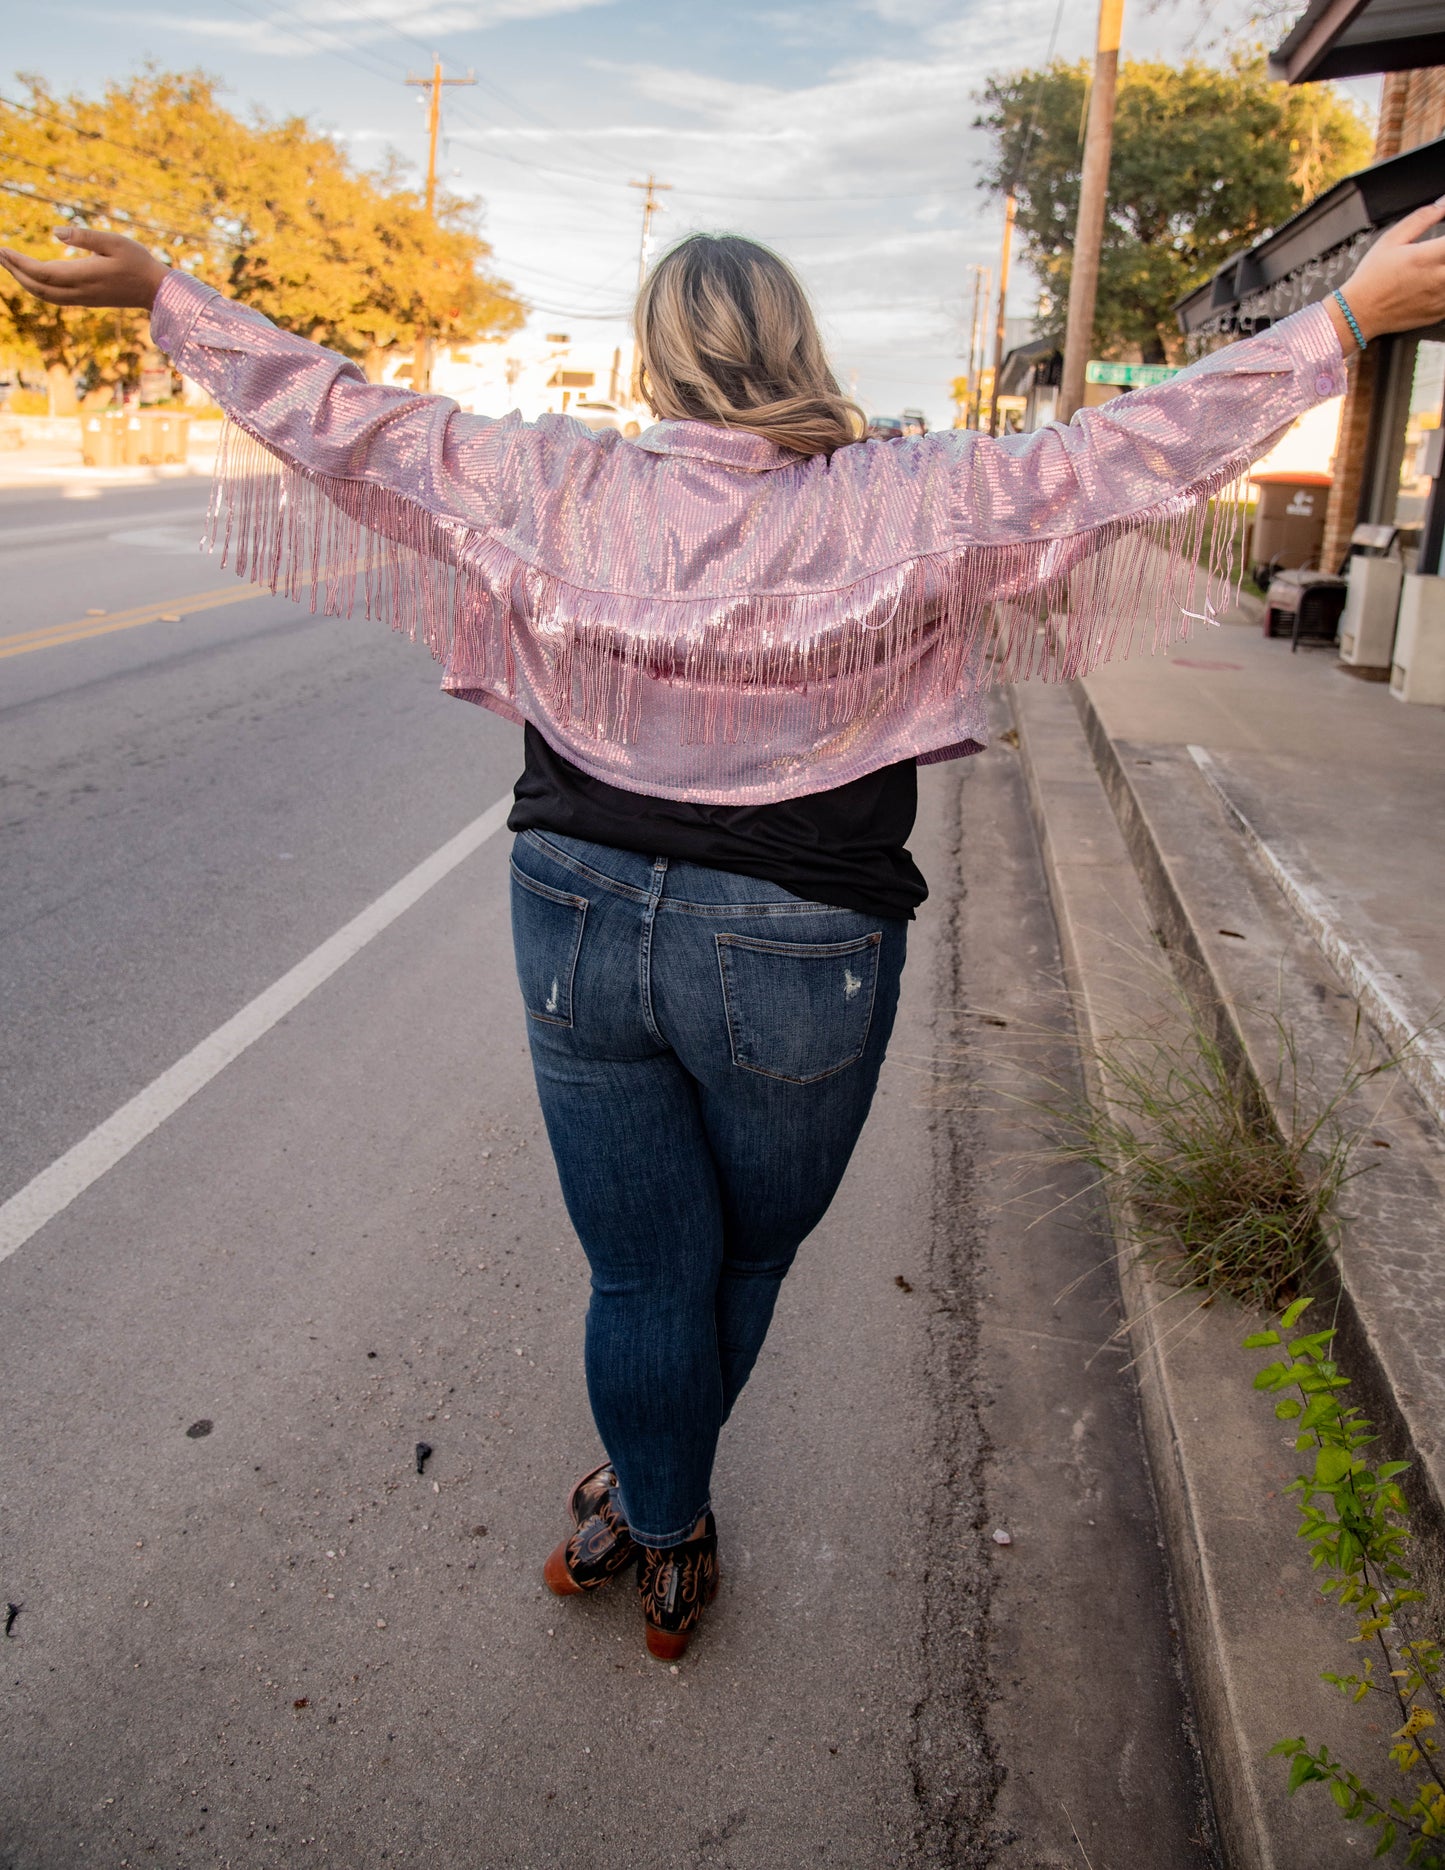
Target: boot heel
(555,1575)
(666,1645)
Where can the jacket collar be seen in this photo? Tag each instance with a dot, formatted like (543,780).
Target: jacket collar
(709,441)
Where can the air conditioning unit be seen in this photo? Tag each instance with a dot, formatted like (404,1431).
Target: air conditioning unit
(1417,672)
(1372,603)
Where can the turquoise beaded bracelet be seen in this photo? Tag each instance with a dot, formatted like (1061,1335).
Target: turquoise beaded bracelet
(1350,319)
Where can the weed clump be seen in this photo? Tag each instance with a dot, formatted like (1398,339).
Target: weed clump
(1230,1192)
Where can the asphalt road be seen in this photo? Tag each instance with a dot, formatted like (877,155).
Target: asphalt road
(271,1642)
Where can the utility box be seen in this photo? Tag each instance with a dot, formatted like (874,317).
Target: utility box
(1289,523)
(1418,670)
(102,438)
(1372,604)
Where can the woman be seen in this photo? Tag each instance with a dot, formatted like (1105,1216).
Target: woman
(730,642)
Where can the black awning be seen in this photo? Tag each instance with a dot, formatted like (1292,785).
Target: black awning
(1026,364)
(1316,249)
(1347,38)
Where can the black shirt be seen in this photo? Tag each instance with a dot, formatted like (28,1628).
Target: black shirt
(844,846)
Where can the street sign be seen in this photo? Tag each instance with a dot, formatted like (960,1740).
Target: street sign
(1129,376)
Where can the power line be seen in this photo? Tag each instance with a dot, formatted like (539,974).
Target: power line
(86,181)
(94,136)
(113,214)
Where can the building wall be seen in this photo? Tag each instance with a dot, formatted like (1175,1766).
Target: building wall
(1412,112)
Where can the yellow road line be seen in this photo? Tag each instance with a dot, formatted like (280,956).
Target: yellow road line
(83,628)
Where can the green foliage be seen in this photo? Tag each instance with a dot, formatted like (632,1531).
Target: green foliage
(1206,159)
(272,212)
(1355,1521)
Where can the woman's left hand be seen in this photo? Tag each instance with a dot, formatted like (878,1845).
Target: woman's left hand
(115,271)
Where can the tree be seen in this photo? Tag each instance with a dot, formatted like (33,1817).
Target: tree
(273,212)
(1207,159)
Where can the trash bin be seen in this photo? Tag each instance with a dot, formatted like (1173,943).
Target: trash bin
(102,439)
(1289,523)
(137,451)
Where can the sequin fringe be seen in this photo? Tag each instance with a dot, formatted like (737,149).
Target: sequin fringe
(948,622)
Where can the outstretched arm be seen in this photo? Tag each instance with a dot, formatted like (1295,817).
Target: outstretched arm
(312,409)
(1137,454)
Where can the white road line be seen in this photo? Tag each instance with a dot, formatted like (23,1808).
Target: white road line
(70,1175)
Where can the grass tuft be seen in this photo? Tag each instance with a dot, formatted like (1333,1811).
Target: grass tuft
(1230,1193)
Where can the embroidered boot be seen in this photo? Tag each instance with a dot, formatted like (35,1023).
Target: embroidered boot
(600,1547)
(676,1586)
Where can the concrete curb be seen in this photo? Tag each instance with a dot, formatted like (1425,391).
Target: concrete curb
(1256,1632)
(1252,963)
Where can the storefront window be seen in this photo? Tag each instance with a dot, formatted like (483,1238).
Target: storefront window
(1418,462)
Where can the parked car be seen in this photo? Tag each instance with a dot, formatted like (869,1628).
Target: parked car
(885,429)
(598,415)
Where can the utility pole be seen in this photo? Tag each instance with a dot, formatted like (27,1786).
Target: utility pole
(650,206)
(1093,199)
(421,357)
(1010,209)
(982,292)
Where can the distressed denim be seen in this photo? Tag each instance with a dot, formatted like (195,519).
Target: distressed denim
(706,1047)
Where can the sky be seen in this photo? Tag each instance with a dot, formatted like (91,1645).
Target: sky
(839,131)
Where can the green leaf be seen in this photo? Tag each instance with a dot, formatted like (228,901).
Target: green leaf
(1295,1312)
(1341,1794)
(1332,1465)
(1287,1408)
(1260,1340)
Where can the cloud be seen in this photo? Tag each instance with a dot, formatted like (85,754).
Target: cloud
(319,26)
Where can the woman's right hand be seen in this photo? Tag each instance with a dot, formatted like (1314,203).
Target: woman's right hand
(1400,283)
(115,271)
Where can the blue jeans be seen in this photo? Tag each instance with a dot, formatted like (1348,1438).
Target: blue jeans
(706,1047)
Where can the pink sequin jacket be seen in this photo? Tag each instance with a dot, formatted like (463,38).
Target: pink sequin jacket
(699,614)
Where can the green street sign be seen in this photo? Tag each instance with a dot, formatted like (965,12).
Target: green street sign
(1129,376)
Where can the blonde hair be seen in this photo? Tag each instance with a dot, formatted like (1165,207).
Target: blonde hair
(725,334)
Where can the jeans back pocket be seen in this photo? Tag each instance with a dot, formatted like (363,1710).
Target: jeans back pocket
(798,1010)
(547,938)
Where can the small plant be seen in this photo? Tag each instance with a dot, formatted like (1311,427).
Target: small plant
(1356,1522)
(1225,1196)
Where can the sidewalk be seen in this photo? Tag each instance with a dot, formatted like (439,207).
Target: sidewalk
(1270,824)
(47,462)
(1340,785)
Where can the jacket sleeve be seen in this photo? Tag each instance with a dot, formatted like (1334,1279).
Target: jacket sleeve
(405,461)
(1137,457)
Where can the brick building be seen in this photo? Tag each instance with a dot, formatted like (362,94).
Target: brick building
(1387,467)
